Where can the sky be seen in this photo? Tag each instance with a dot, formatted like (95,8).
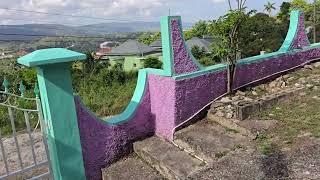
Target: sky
(115,10)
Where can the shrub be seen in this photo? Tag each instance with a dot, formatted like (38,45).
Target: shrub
(152,62)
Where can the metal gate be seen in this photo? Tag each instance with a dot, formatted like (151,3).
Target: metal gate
(23,144)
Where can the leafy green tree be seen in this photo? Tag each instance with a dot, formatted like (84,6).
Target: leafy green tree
(227,27)
(200,29)
(260,33)
(198,52)
(152,62)
(269,7)
(284,13)
(148,38)
(301,5)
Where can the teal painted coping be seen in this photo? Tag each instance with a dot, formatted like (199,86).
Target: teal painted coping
(166,45)
(293,30)
(264,57)
(168,63)
(136,98)
(50,56)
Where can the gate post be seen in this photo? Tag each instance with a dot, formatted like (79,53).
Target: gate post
(54,79)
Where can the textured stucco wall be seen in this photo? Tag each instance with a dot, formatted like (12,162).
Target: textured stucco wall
(301,38)
(165,105)
(193,94)
(167,102)
(246,74)
(162,96)
(103,144)
(182,62)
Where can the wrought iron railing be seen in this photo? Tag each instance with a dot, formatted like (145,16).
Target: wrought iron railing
(20,117)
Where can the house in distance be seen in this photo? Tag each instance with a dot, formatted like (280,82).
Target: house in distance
(131,54)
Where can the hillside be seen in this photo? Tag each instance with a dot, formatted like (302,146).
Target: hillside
(94,29)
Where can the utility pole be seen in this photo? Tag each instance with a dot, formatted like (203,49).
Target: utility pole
(314,22)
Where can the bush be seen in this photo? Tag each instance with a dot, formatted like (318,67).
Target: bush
(152,62)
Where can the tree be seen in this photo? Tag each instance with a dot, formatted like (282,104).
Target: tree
(260,32)
(148,38)
(227,27)
(269,7)
(199,29)
(198,52)
(152,62)
(284,13)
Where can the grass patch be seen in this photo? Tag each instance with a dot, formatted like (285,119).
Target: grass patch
(299,115)
(231,130)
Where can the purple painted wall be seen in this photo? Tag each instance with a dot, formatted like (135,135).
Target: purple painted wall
(301,39)
(167,102)
(183,63)
(193,94)
(103,144)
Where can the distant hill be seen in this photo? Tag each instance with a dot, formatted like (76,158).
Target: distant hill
(89,30)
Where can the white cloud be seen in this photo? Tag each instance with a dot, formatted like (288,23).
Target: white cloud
(112,9)
(218,1)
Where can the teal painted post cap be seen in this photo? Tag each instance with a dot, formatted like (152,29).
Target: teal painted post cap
(50,56)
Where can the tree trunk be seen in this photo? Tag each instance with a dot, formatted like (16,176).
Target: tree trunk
(231,74)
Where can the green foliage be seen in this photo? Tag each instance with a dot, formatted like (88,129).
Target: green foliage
(269,7)
(148,38)
(106,93)
(152,62)
(284,14)
(200,29)
(260,32)
(209,61)
(198,52)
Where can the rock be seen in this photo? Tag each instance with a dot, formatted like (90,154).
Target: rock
(297,85)
(309,86)
(254,93)
(273,84)
(287,76)
(302,94)
(240,93)
(229,115)
(283,85)
(302,80)
(308,66)
(226,100)
(220,114)
(317,64)
(217,104)
(236,98)
(247,99)
(290,79)
(315,88)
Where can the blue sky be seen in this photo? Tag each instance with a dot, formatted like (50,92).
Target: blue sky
(125,10)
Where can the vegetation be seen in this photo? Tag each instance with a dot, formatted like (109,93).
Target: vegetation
(106,90)
(269,7)
(148,38)
(152,62)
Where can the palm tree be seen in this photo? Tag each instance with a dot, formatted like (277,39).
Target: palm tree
(269,7)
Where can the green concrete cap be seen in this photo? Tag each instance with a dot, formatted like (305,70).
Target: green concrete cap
(50,56)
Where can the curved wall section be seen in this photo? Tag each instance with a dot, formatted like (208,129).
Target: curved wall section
(165,99)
